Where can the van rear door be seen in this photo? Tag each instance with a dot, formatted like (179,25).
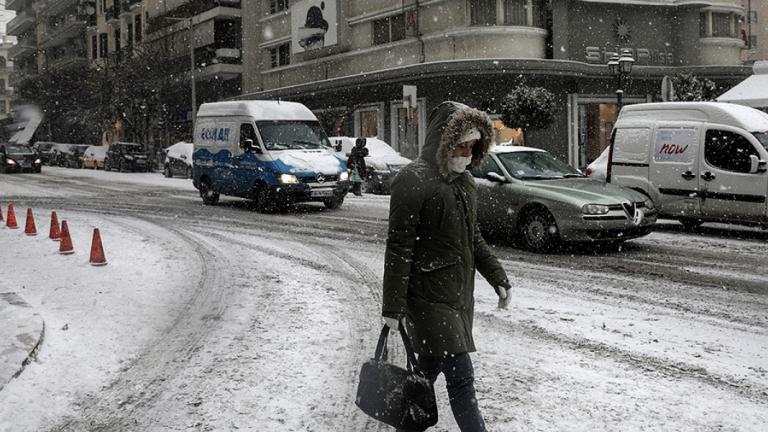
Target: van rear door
(674,169)
(728,189)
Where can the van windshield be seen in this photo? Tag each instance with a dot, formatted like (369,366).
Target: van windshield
(292,135)
(762,137)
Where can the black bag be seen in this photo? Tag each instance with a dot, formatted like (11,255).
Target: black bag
(399,397)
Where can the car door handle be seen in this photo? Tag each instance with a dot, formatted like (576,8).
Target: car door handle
(707,176)
(688,175)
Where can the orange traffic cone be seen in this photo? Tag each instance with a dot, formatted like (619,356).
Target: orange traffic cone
(30,229)
(97,251)
(65,248)
(11,223)
(54,233)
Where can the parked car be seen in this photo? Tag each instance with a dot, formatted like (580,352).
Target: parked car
(126,156)
(178,160)
(19,158)
(94,157)
(70,155)
(383,162)
(44,149)
(526,193)
(599,167)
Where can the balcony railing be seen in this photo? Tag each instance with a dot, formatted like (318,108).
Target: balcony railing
(69,28)
(15,5)
(192,8)
(22,23)
(22,48)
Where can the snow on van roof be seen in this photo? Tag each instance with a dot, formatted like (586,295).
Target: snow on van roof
(513,148)
(261,110)
(716,112)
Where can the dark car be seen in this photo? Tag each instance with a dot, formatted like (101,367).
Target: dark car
(19,158)
(125,156)
(45,150)
(68,155)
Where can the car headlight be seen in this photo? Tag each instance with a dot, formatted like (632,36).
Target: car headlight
(649,204)
(38,161)
(129,158)
(288,179)
(594,209)
(343,176)
(10,162)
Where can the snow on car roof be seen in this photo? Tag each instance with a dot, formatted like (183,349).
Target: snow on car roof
(513,148)
(260,110)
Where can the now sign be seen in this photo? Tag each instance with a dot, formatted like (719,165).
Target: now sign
(675,145)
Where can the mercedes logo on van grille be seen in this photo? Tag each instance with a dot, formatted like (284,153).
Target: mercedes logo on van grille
(321,179)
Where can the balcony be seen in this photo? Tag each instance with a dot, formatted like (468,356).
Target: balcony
(58,7)
(21,24)
(68,61)
(128,7)
(70,27)
(15,5)
(222,63)
(22,49)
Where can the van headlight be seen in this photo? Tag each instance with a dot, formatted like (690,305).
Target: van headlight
(38,161)
(10,162)
(594,209)
(343,176)
(288,179)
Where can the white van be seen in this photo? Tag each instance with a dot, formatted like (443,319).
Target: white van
(698,161)
(273,152)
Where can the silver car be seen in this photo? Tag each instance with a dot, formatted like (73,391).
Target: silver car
(526,193)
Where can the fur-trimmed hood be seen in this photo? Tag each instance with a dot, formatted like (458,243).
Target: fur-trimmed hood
(447,123)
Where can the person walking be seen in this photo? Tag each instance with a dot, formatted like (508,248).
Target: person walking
(434,247)
(356,163)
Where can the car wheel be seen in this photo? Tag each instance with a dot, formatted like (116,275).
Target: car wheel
(333,203)
(690,223)
(121,166)
(207,194)
(538,231)
(107,167)
(167,171)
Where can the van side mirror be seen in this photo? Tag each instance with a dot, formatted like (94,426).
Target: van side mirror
(495,177)
(247,145)
(756,165)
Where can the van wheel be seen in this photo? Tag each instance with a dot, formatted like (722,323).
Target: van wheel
(263,200)
(538,231)
(167,171)
(690,224)
(333,203)
(207,194)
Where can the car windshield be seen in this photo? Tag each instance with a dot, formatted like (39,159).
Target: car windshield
(14,148)
(536,165)
(292,135)
(762,137)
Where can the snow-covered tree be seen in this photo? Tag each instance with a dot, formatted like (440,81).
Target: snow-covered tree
(689,87)
(528,108)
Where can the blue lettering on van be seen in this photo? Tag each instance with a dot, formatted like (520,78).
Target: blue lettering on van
(214,134)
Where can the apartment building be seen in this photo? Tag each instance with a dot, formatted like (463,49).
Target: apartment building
(754,30)
(355,56)
(6,65)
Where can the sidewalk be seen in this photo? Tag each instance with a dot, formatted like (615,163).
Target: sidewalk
(21,333)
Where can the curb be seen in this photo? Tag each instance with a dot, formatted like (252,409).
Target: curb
(22,332)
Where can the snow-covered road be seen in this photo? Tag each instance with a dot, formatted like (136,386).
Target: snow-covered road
(222,318)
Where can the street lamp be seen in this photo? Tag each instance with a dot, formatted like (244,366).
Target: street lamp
(191,68)
(620,67)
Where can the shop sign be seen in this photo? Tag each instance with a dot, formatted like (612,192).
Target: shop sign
(642,56)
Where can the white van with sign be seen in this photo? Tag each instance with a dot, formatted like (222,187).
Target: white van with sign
(698,161)
(273,152)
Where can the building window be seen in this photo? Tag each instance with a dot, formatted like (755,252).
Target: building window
(389,29)
(276,6)
(117,40)
(129,35)
(753,41)
(721,25)
(102,45)
(753,16)
(2,84)
(528,13)
(94,47)
(104,7)
(717,24)
(280,55)
(139,30)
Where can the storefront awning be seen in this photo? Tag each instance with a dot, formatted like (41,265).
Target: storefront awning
(753,91)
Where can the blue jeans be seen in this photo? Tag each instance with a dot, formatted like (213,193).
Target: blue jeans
(460,381)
